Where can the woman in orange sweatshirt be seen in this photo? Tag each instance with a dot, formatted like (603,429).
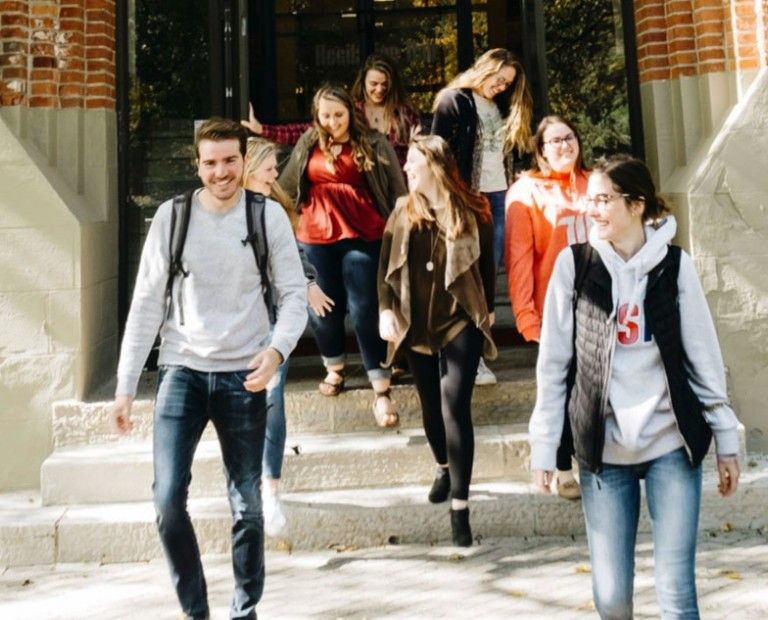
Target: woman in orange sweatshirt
(544,215)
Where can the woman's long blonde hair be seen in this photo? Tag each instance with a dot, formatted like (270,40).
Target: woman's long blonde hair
(257,150)
(396,104)
(516,102)
(461,202)
(362,153)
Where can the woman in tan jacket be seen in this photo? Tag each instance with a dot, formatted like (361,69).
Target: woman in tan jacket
(436,291)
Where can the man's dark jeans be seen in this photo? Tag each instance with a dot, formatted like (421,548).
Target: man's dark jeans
(186,400)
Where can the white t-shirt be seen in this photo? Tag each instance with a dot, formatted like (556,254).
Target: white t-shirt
(492,176)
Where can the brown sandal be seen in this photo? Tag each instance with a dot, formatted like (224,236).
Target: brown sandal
(389,417)
(328,388)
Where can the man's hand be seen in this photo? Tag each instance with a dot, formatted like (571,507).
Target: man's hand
(264,366)
(542,480)
(252,123)
(388,328)
(318,300)
(120,415)
(728,468)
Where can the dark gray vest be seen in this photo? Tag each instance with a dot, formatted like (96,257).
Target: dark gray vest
(594,341)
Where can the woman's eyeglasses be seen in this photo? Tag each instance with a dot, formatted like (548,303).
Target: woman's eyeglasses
(500,80)
(601,201)
(570,139)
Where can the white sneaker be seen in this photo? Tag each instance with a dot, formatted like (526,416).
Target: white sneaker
(274,517)
(484,375)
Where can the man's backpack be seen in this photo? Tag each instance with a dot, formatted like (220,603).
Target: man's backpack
(257,237)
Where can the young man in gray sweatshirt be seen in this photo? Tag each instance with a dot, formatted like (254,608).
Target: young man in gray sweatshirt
(217,355)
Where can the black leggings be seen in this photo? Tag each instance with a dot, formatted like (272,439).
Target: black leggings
(445,382)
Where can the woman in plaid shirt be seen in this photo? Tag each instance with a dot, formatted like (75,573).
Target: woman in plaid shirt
(380,102)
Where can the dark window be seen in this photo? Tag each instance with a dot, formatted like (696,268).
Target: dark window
(586,72)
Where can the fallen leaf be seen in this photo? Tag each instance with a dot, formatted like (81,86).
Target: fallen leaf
(588,606)
(455,557)
(583,568)
(731,574)
(296,449)
(726,527)
(339,548)
(284,545)
(26,582)
(517,593)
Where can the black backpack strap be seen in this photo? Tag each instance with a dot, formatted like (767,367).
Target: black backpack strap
(674,252)
(180,213)
(582,257)
(255,217)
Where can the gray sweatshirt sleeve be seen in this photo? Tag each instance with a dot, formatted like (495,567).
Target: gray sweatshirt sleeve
(555,353)
(288,280)
(706,373)
(148,304)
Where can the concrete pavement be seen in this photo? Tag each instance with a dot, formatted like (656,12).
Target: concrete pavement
(500,578)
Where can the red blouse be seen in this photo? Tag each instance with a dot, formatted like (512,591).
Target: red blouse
(340,205)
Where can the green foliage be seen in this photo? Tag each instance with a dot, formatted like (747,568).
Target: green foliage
(586,73)
(171,60)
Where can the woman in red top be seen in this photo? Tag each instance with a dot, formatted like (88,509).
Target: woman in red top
(544,215)
(380,101)
(345,180)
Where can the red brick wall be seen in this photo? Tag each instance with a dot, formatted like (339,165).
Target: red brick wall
(693,37)
(57,53)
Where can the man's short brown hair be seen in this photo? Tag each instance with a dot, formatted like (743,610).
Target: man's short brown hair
(220,129)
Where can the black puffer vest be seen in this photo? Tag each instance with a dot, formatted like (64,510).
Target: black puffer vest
(594,342)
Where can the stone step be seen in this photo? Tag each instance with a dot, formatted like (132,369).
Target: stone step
(125,532)
(509,401)
(122,472)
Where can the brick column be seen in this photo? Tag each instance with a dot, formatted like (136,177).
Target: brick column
(100,53)
(14,49)
(72,54)
(57,54)
(694,37)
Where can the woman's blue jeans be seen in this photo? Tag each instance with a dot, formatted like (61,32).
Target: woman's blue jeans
(186,400)
(347,272)
(611,502)
(274,441)
(499,217)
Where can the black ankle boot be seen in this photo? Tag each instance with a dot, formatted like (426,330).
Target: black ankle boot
(462,534)
(441,486)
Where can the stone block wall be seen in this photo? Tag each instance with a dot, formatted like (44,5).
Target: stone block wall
(704,92)
(58,218)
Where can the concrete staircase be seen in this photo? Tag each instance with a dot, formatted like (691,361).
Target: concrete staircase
(346,484)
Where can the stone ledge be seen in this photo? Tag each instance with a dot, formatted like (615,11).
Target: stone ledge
(509,401)
(123,472)
(345,519)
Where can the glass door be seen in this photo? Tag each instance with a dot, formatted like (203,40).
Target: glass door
(181,62)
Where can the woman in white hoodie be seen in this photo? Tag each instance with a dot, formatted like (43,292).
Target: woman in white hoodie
(628,348)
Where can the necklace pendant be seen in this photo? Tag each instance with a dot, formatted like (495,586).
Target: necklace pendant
(430,265)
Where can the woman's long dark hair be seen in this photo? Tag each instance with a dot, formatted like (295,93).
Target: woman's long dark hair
(539,163)
(631,177)
(462,202)
(396,101)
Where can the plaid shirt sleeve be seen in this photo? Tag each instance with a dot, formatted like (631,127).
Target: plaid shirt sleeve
(288,133)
